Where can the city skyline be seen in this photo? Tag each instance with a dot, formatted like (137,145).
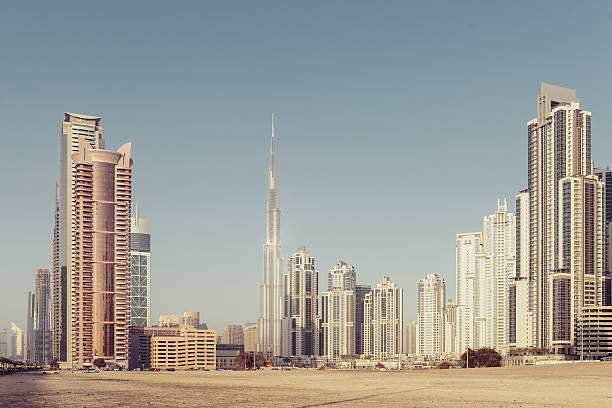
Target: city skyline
(351,147)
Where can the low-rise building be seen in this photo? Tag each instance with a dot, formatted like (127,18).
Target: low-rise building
(594,332)
(191,349)
(226,354)
(140,344)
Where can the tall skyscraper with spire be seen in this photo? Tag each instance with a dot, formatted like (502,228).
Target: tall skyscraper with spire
(269,339)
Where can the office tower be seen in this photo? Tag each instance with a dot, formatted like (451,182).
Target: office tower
(450,327)
(467,248)
(168,321)
(605,175)
(383,321)
(30,336)
(338,313)
(43,353)
(271,295)
(430,322)
(558,146)
(140,271)
(411,337)
(250,337)
(74,126)
(191,319)
(16,352)
(577,282)
(300,326)
(232,334)
(101,250)
(360,293)
(520,319)
(498,245)
(3,344)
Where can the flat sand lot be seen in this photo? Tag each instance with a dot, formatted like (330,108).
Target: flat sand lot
(567,385)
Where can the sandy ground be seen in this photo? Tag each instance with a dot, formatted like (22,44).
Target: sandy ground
(568,385)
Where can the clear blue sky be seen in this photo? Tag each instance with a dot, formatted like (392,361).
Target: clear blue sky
(399,125)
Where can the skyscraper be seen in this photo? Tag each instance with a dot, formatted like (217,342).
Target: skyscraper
(411,337)
(467,247)
(578,282)
(74,126)
(300,324)
(383,334)
(522,234)
(191,319)
(431,297)
(498,244)
(250,337)
(16,352)
(450,327)
(558,146)
(232,334)
(42,318)
(605,175)
(101,247)
(140,271)
(361,292)
(3,343)
(30,342)
(338,313)
(271,295)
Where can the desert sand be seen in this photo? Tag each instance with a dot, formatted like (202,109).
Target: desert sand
(567,385)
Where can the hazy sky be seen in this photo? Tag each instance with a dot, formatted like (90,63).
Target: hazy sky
(399,125)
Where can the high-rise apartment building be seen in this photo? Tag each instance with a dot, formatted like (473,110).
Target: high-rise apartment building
(101,247)
(558,146)
(361,292)
(605,175)
(29,342)
(522,234)
(250,337)
(168,321)
(338,313)
(498,245)
(383,321)
(3,343)
(232,334)
(467,248)
(450,327)
(577,283)
(520,319)
(74,127)
(42,345)
(411,337)
(301,324)
(431,297)
(191,319)
(271,290)
(140,271)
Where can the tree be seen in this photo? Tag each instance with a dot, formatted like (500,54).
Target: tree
(473,361)
(488,357)
(484,357)
(444,365)
(243,360)
(54,364)
(99,362)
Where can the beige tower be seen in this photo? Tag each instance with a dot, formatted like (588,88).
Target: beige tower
(100,278)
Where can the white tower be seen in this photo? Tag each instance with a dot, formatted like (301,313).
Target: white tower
(269,339)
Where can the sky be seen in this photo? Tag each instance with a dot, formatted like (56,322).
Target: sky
(398,124)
